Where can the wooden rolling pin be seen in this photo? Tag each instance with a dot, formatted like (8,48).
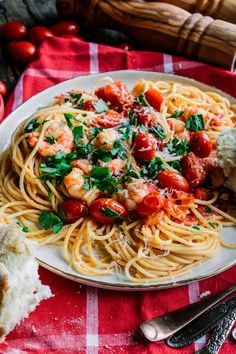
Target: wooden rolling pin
(218,9)
(160,26)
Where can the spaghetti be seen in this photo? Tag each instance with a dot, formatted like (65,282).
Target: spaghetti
(141,164)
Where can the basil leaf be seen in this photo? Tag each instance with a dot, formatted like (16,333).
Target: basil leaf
(69,117)
(112,214)
(78,133)
(177,114)
(100,173)
(195,123)
(50,139)
(100,106)
(32,126)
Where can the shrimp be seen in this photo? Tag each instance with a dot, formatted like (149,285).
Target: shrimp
(106,138)
(116,166)
(83,164)
(188,111)
(178,127)
(74,182)
(61,136)
(134,193)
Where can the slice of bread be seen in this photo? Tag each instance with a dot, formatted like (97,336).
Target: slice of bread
(20,287)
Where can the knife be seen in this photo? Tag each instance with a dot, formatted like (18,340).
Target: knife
(203,324)
(219,335)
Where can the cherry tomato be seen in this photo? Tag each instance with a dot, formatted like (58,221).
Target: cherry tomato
(193,169)
(145,146)
(3,89)
(107,210)
(70,36)
(65,27)
(174,180)
(200,144)
(13,31)
(108,119)
(73,210)
(116,93)
(201,194)
(22,52)
(152,203)
(146,118)
(154,98)
(38,34)
(126,46)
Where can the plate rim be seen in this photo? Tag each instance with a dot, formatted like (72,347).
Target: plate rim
(132,286)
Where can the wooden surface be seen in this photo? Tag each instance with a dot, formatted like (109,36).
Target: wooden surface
(30,12)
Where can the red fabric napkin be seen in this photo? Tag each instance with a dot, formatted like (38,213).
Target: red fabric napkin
(81,319)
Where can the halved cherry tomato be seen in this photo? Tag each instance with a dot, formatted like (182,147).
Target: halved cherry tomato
(107,210)
(200,144)
(152,203)
(126,46)
(145,146)
(116,93)
(3,89)
(13,31)
(73,210)
(108,119)
(22,52)
(193,169)
(201,194)
(174,180)
(154,98)
(88,106)
(65,27)
(38,34)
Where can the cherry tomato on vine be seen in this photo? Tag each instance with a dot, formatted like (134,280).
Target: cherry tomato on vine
(107,211)
(38,34)
(174,180)
(200,144)
(154,98)
(145,146)
(72,210)
(65,27)
(13,31)
(22,52)
(3,89)
(152,203)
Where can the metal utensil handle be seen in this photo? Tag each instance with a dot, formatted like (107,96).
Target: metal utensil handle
(164,326)
(219,335)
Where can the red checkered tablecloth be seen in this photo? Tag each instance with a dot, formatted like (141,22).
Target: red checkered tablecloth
(81,319)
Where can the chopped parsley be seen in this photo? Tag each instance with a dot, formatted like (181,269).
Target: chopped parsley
(57,166)
(175,164)
(125,132)
(95,131)
(23,228)
(75,97)
(69,117)
(212,225)
(132,118)
(100,106)
(50,139)
(195,123)
(152,169)
(78,134)
(208,210)
(178,146)
(141,101)
(195,227)
(50,220)
(158,132)
(177,114)
(101,178)
(112,214)
(32,126)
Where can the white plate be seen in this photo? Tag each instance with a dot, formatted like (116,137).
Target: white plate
(50,256)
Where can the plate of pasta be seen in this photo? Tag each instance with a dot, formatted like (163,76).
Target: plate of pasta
(121,179)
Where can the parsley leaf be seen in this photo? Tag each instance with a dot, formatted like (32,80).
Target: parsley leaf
(195,123)
(78,134)
(157,131)
(141,101)
(101,178)
(175,164)
(23,228)
(100,173)
(132,118)
(179,146)
(112,214)
(177,114)
(95,131)
(50,220)
(100,106)
(212,225)
(118,150)
(195,227)
(57,166)
(125,132)
(50,139)
(151,170)
(208,210)
(100,154)
(69,117)
(32,126)
(75,97)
